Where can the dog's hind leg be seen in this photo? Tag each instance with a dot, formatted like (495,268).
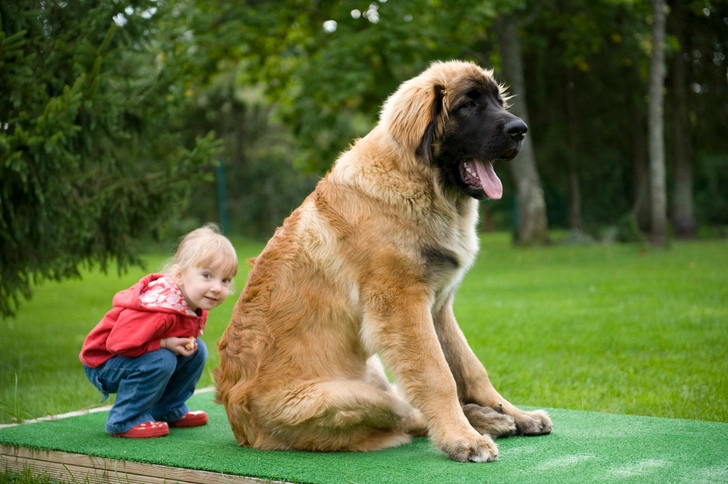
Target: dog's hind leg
(343,415)
(414,424)
(488,421)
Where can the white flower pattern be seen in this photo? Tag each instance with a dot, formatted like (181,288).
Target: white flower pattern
(164,293)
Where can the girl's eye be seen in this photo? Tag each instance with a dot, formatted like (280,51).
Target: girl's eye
(206,275)
(227,281)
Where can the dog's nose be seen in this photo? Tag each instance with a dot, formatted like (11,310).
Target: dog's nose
(516,129)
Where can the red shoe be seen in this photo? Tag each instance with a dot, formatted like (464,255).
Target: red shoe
(146,430)
(191,419)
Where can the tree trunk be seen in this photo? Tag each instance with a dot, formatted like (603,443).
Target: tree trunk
(656,128)
(683,218)
(532,222)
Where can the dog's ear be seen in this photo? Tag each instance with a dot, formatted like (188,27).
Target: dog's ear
(424,150)
(412,115)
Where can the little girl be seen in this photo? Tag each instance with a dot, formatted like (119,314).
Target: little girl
(147,349)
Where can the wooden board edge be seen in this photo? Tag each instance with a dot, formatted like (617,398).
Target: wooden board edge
(82,468)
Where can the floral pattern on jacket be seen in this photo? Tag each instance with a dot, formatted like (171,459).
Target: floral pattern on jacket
(165,293)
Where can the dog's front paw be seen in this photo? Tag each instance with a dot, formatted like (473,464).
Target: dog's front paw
(478,449)
(533,423)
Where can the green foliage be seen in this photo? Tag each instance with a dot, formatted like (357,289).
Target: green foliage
(328,67)
(710,183)
(319,74)
(261,180)
(329,83)
(628,230)
(91,159)
(586,79)
(336,88)
(26,477)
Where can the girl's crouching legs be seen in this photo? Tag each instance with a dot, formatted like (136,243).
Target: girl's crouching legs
(139,384)
(171,406)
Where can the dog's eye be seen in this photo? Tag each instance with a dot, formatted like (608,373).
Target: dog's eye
(468,105)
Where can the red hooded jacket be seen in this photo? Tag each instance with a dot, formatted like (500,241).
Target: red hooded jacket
(144,314)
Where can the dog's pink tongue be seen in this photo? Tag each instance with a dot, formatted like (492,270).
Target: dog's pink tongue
(492,185)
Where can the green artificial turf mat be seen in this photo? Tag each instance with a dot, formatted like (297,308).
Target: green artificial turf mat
(584,447)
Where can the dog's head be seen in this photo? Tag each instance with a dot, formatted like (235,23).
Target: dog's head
(453,116)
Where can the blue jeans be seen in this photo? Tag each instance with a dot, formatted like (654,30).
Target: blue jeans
(153,386)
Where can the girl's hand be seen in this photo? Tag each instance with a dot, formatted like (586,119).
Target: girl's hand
(179,346)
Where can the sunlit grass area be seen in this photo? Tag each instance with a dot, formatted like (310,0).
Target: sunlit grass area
(612,328)
(616,328)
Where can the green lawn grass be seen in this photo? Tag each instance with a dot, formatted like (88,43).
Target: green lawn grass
(25,477)
(613,328)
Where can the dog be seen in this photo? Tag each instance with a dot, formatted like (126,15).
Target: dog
(363,274)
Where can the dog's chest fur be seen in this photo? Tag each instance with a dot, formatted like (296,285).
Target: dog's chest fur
(375,220)
(453,254)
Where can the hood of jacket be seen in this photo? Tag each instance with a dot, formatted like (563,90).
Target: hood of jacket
(154,292)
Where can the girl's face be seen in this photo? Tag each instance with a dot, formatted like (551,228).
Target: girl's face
(204,287)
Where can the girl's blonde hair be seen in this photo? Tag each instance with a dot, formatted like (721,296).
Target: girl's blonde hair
(204,247)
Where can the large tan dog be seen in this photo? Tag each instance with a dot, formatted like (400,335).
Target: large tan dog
(368,265)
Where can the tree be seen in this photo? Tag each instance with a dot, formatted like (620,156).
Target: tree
(333,65)
(258,151)
(327,69)
(683,216)
(90,159)
(532,221)
(585,80)
(320,74)
(658,234)
(706,60)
